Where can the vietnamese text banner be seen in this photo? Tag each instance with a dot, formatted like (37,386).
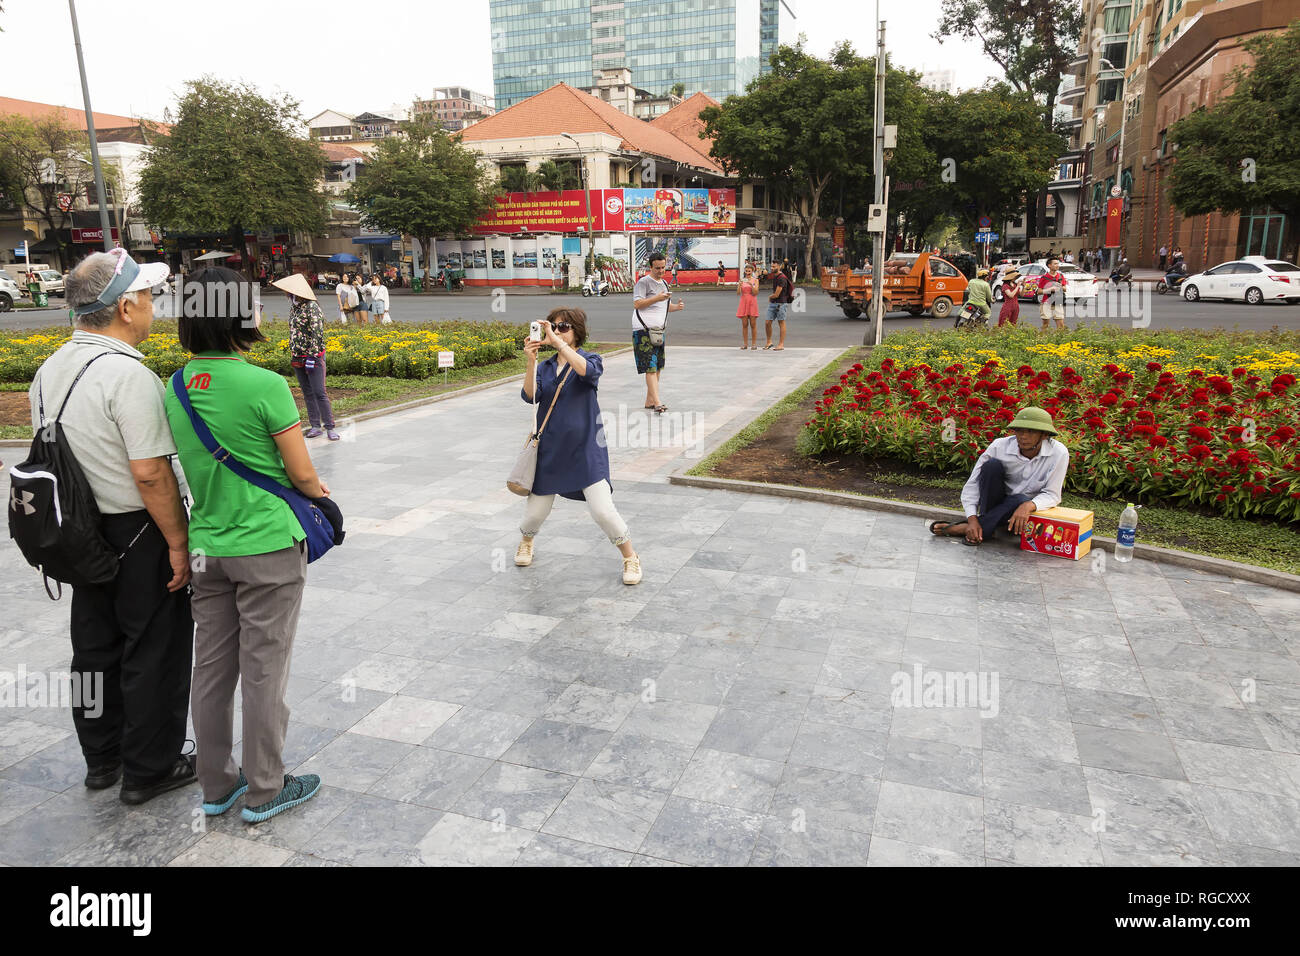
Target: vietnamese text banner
(613,210)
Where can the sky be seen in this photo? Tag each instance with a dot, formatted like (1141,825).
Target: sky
(139,53)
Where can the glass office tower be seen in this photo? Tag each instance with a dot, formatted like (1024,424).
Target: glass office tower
(710,46)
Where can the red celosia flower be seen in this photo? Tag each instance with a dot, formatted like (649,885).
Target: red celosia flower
(1200,433)
(1153,366)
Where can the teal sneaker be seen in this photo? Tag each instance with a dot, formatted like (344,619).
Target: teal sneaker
(218,807)
(296,790)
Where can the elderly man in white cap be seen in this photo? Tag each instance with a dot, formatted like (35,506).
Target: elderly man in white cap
(136,630)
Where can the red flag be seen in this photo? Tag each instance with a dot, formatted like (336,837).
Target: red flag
(1114,216)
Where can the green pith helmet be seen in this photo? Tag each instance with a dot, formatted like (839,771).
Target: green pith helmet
(1035,418)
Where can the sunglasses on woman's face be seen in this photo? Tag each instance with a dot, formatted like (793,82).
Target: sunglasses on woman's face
(561,326)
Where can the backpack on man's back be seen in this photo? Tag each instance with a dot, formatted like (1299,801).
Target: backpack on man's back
(53,517)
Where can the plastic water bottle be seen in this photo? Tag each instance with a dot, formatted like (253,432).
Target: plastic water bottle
(1127,535)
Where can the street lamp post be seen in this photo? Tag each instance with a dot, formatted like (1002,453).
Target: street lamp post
(90,132)
(875,330)
(586,185)
(1123,123)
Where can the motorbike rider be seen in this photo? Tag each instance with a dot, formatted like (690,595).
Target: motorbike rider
(1122,272)
(980,294)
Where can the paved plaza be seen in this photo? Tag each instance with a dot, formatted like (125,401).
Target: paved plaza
(762,698)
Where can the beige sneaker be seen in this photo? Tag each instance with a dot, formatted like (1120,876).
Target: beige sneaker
(524,553)
(632,570)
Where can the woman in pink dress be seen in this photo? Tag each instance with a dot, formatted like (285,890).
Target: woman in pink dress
(747,288)
(1010,312)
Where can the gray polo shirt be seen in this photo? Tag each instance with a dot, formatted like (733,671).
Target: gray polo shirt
(115,415)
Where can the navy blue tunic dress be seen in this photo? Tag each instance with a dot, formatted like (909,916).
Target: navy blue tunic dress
(572,453)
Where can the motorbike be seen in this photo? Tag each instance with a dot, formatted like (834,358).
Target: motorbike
(970,316)
(1171,282)
(1116,277)
(594,285)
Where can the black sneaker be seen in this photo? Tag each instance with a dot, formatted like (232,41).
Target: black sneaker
(181,774)
(103,776)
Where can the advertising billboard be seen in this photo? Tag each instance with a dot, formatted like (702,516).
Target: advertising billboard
(612,210)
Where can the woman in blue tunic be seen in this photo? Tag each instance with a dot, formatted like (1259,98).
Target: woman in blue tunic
(572,460)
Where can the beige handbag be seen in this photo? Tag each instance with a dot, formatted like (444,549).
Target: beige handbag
(524,472)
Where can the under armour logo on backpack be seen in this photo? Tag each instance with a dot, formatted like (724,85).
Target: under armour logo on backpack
(22,499)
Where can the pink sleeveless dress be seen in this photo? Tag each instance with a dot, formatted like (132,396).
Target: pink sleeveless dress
(748,301)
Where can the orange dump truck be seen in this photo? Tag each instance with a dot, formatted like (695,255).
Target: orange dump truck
(914,282)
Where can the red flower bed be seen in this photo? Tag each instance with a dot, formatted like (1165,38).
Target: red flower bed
(1229,443)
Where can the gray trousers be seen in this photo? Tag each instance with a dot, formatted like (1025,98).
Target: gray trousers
(245,615)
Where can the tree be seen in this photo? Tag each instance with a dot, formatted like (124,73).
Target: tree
(558,177)
(807,124)
(1241,154)
(520,179)
(234,161)
(999,152)
(677,89)
(424,183)
(41,159)
(1033,41)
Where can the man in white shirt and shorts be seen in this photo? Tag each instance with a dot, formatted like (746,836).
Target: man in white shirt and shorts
(650,304)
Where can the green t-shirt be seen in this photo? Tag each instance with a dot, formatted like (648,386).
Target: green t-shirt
(244,406)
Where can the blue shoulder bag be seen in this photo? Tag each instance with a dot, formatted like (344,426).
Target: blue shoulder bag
(320,518)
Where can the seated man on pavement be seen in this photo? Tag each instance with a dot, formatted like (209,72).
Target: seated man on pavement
(1016,475)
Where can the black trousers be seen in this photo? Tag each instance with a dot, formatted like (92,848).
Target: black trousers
(140,636)
(996,506)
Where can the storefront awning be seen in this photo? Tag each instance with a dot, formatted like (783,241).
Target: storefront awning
(375,240)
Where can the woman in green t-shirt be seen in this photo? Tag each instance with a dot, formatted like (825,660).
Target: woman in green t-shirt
(249,556)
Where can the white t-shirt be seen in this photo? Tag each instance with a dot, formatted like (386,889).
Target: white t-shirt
(115,415)
(654,316)
(347,296)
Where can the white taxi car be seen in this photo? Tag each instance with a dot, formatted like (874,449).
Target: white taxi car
(1253,279)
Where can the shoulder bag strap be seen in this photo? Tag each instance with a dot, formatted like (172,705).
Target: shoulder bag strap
(40,398)
(222,455)
(567,370)
(642,321)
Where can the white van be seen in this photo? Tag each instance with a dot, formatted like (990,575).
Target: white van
(51,280)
